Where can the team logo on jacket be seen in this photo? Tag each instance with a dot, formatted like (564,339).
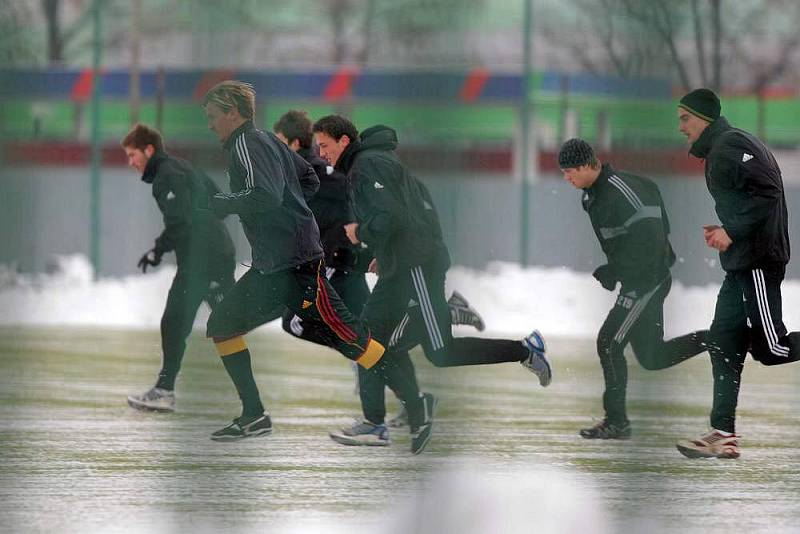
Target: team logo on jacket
(378,185)
(170,195)
(746,157)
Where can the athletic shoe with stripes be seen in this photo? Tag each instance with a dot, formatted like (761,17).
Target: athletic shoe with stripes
(537,362)
(421,435)
(606,430)
(712,444)
(244,427)
(153,400)
(362,433)
(462,313)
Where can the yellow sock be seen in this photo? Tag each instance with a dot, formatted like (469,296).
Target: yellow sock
(231,346)
(372,355)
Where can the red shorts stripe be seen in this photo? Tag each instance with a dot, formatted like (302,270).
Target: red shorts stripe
(329,315)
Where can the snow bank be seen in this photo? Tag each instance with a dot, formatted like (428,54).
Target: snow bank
(512,300)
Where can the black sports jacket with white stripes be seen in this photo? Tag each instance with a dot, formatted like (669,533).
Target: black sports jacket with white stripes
(630,221)
(745,181)
(270,185)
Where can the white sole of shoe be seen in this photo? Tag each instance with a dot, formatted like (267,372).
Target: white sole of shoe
(258,433)
(138,405)
(347,440)
(691,452)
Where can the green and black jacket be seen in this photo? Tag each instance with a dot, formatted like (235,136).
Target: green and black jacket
(182,194)
(745,181)
(630,221)
(396,216)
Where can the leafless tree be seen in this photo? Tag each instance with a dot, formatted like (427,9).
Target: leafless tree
(701,42)
(15,44)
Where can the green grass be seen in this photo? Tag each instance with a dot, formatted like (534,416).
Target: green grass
(76,458)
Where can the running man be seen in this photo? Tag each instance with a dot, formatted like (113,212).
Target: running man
(203,249)
(630,221)
(753,243)
(269,186)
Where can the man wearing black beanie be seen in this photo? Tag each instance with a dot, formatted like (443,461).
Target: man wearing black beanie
(753,243)
(631,224)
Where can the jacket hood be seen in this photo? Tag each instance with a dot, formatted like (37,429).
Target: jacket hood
(702,146)
(378,137)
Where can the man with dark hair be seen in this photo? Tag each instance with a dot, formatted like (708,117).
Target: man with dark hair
(270,185)
(753,243)
(629,218)
(398,222)
(203,249)
(346,265)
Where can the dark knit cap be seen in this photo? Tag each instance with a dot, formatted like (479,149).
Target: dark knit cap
(702,103)
(574,153)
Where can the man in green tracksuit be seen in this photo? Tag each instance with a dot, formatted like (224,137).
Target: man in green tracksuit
(630,221)
(203,249)
(397,220)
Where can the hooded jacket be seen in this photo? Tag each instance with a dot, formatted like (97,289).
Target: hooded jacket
(270,185)
(745,181)
(396,216)
(630,221)
(181,193)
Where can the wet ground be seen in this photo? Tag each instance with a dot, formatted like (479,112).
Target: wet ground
(505,456)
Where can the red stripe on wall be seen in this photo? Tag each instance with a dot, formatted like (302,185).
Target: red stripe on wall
(209,80)
(340,85)
(82,88)
(473,85)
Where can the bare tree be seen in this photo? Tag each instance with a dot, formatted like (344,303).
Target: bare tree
(699,41)
(59,35)
(15,44)
(771,24)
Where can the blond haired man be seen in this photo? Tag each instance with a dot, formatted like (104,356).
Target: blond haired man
(270,185)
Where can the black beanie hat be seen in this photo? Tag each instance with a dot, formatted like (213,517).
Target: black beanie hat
(702,103)
(574,153)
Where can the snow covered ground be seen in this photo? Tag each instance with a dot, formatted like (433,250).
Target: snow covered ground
(505,456)
(559,302)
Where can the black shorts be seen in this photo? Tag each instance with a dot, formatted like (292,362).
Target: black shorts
(258,298)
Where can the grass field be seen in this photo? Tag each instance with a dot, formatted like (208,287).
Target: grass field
(75,458)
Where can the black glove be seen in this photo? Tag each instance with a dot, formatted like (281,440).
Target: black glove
(606,276)
(151,257)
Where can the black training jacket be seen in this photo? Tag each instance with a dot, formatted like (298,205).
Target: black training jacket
(182,194)
(395,212)
(270,185)
(332,209)
(745,181)
(630,221)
